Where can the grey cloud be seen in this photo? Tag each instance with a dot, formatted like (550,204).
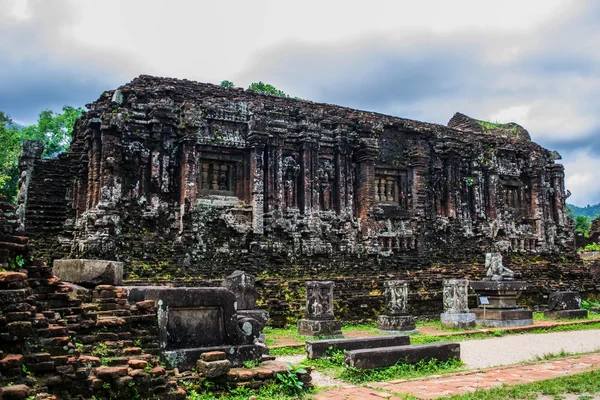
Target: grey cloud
(42,68)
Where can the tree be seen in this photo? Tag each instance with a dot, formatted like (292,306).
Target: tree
(265,88)
(10,147)
(54,129)
(583,225)
(226,84)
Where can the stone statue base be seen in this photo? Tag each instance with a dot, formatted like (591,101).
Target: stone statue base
(329,328)
(400,323)
(566,314)
(502,309)
(459,320)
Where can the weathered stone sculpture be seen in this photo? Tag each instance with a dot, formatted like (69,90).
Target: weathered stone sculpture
(501,293)
(320,320)
(565,305)
(396,316)
(243,286)
(495,270)
(456,305)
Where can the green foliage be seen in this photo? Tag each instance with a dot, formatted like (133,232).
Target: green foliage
(401,371)
(489,126)
(590,211)
(265,88)
(54,129)
(289,379)
(10,147)
(583,225)
(269,392)
(589,304)
(252,364)
(287,351)
(226,84)
(591,247)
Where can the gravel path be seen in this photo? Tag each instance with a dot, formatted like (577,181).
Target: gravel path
(513,349)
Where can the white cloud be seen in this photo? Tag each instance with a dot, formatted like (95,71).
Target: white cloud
(582,169)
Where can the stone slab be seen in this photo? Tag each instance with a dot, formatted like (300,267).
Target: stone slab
(323,328)
(396,323)
(566,314)
(89,272)
(411,354)
(318,348)
(458,320)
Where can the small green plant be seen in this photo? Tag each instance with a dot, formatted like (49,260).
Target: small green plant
(25,370)
(226,84)
(589,304)
(251,364)
(470,181)
(290,381)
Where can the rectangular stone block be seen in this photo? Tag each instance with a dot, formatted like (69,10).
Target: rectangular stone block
(570,300)
(411,354)
(318,348)
(89,272)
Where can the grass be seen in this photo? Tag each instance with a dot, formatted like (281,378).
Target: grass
(488,126)
(269,392)
(287,351)
(333,365)
(581,384)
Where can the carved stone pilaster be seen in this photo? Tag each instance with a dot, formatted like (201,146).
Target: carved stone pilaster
(456,305)
(396,317)
(320,320)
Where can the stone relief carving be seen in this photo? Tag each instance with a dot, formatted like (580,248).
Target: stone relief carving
(456,296)
(396,297)
(319,300)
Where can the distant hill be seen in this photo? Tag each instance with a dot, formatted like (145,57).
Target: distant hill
(590,211)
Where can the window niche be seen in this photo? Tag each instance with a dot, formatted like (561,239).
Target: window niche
(391,187)
(217,177)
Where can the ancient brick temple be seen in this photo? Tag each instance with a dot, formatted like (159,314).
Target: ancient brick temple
(190,179)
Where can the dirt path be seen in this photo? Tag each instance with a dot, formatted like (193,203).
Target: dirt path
(512,349)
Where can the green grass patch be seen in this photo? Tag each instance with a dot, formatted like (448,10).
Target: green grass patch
(333,365)
(287,351)
(490,126)
(268,392)
(400,371)
(581,384)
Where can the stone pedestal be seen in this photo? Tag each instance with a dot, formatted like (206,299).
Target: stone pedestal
(319,320)
(396,318)
(502,309)
(456,305)
(565,305)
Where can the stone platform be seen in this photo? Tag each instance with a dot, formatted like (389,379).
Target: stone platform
(326,328)
(502,309)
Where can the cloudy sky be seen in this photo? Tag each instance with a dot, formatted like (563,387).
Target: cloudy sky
(532,62)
